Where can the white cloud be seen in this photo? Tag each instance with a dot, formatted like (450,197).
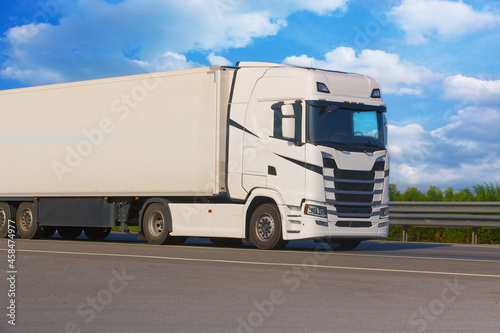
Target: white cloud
(95,38)
(23,34)
(36,77)
(321,7)
(477,124)
(396,76)
(464,152)
(472,91)
(410,91)
(216,60)
(421,18)
(167,61)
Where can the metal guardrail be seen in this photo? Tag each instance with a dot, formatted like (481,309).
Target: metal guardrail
(473,215)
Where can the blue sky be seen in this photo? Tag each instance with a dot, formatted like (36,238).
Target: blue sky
(437,61)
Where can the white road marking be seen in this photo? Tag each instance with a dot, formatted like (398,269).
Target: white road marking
(295,250)
(262,263)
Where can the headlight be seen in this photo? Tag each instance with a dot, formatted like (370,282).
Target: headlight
(380,159)
(314,210)
(326,155)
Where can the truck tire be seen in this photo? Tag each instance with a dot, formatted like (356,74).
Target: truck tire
(96,233)
(69,232)
(155,224)
(7,212)
(27,226)
(265,228)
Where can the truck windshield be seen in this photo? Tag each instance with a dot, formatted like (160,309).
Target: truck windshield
(346,127)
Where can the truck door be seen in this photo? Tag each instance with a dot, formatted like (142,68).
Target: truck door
(258,129)
(278,157)
(287,153)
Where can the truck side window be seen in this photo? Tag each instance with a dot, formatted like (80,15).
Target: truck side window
(278,121)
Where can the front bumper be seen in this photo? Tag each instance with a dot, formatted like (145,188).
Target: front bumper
(299,226)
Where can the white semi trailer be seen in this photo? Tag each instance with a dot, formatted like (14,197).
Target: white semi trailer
(261,152)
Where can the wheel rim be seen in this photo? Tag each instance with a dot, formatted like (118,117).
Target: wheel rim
(3,218)
(265,227)
(26,219)
(156,223)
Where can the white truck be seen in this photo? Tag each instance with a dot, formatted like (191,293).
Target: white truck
(258,152)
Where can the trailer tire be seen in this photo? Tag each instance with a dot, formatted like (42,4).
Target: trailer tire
(155,224)
(27,226)
(7,212)
(265,228)
(69,232)
(96,233)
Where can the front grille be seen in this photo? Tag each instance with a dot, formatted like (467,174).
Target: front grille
(379,166)
(345,209)
(353,192)
(353,224)
(346,186)
(354,174)
(354,197)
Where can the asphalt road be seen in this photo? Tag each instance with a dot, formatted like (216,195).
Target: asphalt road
(125,285)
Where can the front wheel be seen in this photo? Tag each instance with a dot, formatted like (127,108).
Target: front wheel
(265,228)
(27,226)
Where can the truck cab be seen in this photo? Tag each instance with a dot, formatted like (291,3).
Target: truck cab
(315,142)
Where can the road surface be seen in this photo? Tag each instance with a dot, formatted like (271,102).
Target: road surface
(125,285)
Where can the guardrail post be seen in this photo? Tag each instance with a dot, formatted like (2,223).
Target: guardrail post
(405,233)
(474,235)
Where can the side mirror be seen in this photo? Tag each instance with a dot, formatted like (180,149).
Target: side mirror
(287,110)
(288,122)
(288,128)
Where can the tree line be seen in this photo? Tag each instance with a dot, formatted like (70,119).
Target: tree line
(484,192)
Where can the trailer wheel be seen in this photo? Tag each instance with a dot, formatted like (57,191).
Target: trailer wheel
(155,224)
(265,228)
(226,242)
(27,226)
(96,233)
(7,212)
(69,232)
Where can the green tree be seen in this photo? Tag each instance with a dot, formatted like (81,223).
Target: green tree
(434,194)
(464,195)
(394,194)
(448,194)
(412,194)
(487,192)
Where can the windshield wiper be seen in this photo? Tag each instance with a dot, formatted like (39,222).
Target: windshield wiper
(331,143)
(367,144)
